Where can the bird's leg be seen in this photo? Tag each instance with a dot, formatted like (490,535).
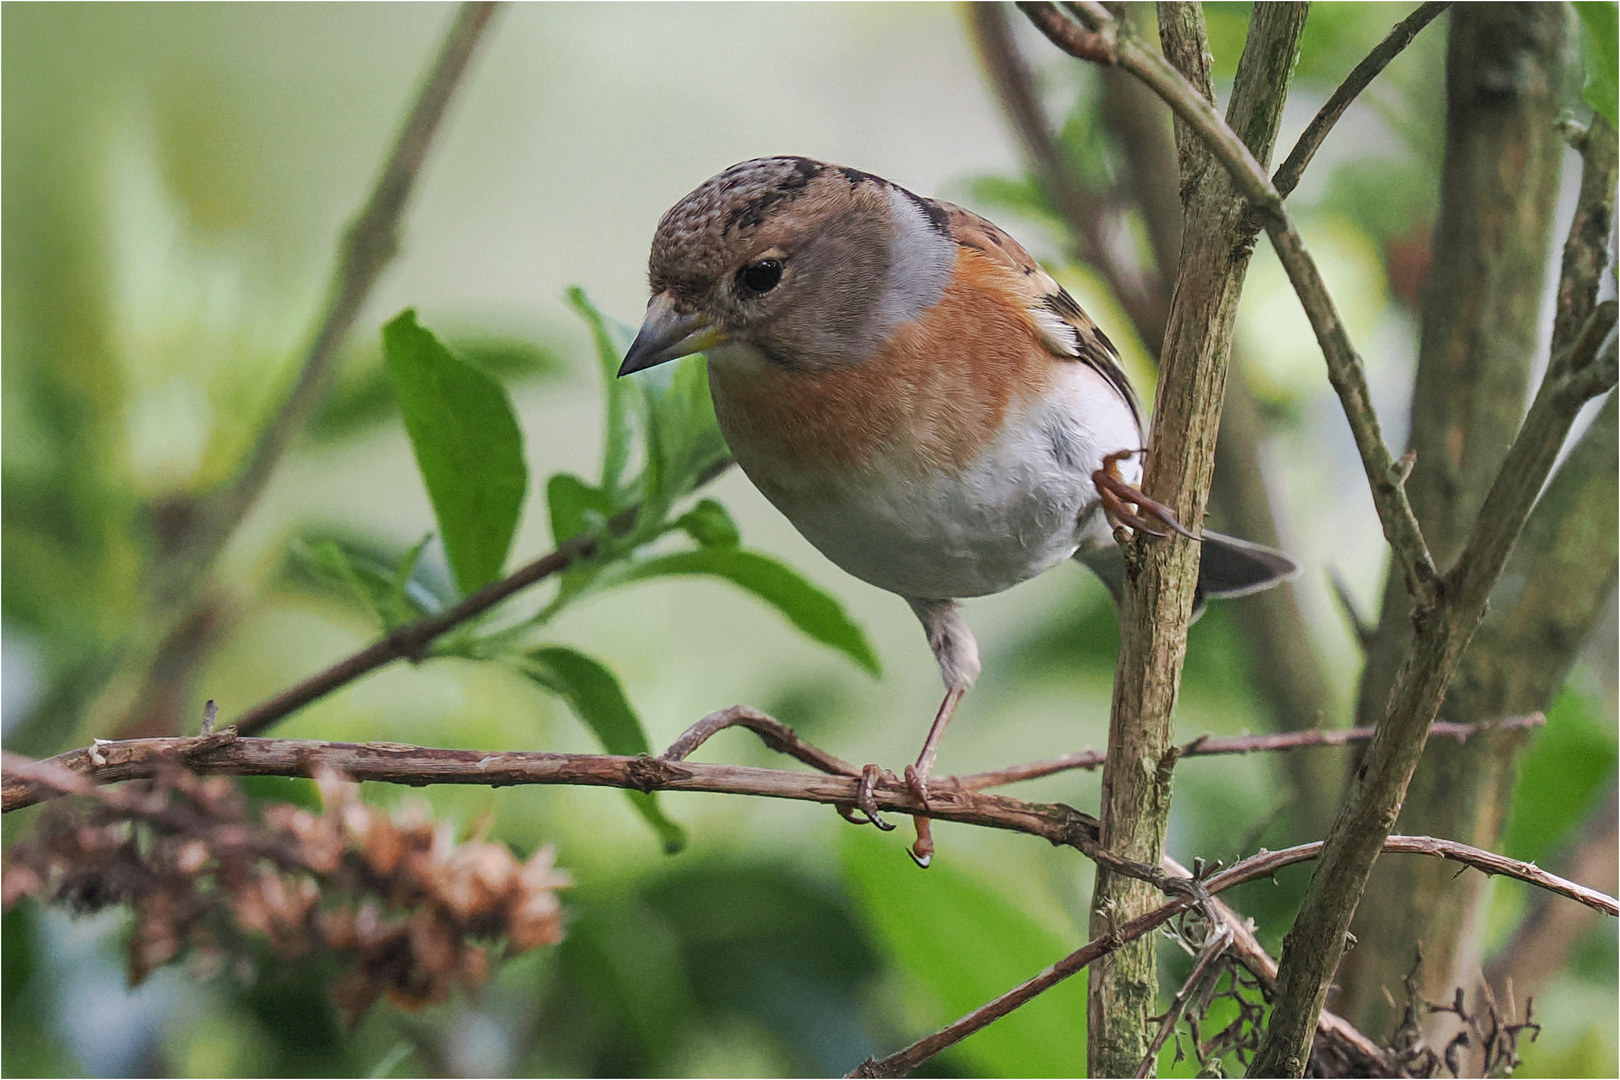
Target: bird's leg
(922,852)
(1117,496)
(958,656)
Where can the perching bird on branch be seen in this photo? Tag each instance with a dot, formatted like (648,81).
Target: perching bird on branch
(924,402)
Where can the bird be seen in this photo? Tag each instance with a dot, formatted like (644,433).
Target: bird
(916,394)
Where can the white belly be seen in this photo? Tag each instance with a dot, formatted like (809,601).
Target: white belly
(1023,506)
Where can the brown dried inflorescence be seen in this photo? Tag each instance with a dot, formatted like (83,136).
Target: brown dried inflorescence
(409,907)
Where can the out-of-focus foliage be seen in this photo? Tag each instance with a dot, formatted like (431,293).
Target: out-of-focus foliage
(397,902)
(174,181)
(1600,44)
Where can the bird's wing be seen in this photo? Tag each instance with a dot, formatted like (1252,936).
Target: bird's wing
(1063,325)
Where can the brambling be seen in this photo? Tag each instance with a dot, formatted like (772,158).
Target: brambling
(919,397)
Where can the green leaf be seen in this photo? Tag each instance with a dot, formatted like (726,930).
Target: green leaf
(572,504)
(1601,46)
(620,394)
(681,429)
(1559,778)
(365,397)
(597,699)
(468,448)
(391,594)
(967,944)
(710,525)
(815,613)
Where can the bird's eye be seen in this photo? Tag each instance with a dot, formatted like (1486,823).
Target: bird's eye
(759,277)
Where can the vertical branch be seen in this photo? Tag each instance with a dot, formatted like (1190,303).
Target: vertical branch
(1216,241)
(1290,680)
(1480,315)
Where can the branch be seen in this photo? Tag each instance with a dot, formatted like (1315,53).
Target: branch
(230,752)
(410,642)
(1161,577)
(1204,746)
(1316,941)
(1262,865)
(1446,612)
(225,753)
(368,246)
(1219,941)
(1287,176)
(1104,44)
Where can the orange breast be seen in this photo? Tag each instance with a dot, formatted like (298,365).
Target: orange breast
(929,400)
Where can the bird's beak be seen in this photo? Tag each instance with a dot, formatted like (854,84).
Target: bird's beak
(667,335)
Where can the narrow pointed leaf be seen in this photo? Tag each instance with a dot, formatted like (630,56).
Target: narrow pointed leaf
(618,393)
(598,700)
(815,613)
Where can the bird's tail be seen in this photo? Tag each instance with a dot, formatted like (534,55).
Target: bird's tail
(1227,567)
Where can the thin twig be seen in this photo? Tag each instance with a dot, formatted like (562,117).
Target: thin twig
(1335,1035)
(775,734)
(1220,939)
(1204,746)
(1293,167)
(411,641)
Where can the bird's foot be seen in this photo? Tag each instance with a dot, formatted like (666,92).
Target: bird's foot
(922,852)
(1118,497)
(866,799)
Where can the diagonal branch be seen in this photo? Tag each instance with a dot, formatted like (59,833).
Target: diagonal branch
(1288,173)
(368,246)
(410,642)
(1446,612)
(1103,43)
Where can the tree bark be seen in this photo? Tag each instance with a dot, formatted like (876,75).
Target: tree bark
(1217,238)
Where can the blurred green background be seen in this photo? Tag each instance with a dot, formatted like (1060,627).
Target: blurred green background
(175,179)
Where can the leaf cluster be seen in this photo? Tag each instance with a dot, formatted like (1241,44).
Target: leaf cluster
(638,520)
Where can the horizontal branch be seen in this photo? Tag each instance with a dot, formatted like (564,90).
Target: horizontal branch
(1204,746)
(230,752)
(225,753)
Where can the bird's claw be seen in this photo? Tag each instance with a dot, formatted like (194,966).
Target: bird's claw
(921,852)
(866,800)
(1118,496)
